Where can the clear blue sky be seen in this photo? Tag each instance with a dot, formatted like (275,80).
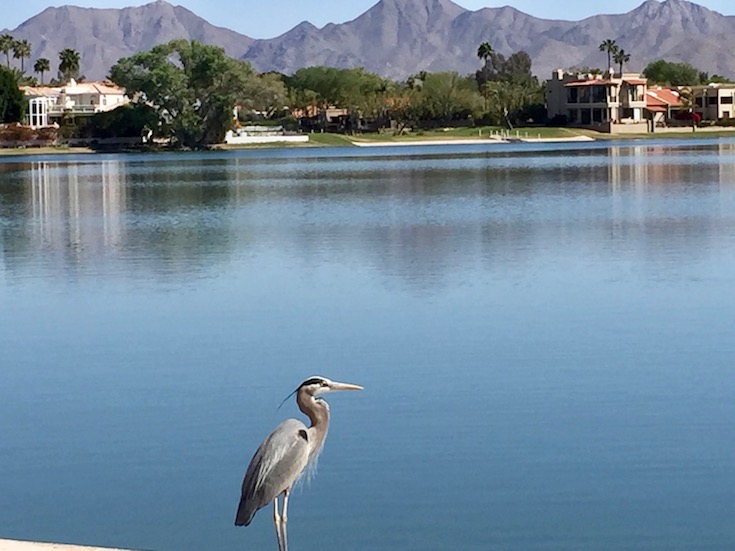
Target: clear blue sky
(269,18)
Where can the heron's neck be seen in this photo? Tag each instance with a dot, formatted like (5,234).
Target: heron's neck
(316,410)
(318,413)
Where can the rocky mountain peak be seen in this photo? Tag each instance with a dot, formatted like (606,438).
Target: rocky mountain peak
(396,38)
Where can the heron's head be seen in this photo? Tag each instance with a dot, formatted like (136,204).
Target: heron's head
(314,386)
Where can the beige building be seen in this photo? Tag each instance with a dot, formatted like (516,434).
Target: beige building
(607,102)
(714,101)
(48,104)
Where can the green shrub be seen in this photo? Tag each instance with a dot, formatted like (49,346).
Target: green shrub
(127,121)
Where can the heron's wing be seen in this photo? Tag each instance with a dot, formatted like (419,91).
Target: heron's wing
(276,465)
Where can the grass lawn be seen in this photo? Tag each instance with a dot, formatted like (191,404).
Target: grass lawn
(43,150)
(446,134)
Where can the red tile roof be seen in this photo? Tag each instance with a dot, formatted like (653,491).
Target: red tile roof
(662,98)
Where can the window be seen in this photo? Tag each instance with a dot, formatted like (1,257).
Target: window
(599,94)
(584,95)
(726,100)
(712,100)
(572,95)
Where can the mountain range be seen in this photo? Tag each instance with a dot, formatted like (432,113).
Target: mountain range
(396,38)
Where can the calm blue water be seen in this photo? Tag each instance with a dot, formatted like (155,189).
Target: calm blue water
(545,335)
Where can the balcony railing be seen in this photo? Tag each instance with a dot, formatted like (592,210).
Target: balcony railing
(76,109)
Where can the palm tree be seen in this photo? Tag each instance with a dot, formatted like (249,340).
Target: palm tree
(6,45)
(42,65)
(620,57)
(485,51)
(69,64)
(22,51)
(608,45)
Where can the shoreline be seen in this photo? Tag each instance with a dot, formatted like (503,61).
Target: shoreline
(20,545)
(60,150)
(474,141)
(438,141)
(710,132)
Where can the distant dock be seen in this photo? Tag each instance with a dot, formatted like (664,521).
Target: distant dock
(497,139)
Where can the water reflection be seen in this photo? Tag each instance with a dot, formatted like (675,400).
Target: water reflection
(63,202)
(645,166)
(546,329)
(420,217)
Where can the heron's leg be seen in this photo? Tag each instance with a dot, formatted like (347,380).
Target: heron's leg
(277,523)
(284,518)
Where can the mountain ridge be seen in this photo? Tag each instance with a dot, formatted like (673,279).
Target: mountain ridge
(396,38)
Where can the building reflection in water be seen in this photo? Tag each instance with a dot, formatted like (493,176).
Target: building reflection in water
(420,220)
(77,209)
(643,167)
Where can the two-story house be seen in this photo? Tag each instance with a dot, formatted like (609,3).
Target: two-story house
(714,101)
(606,102)
(49,104)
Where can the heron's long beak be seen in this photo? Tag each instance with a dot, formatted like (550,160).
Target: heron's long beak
(344,386)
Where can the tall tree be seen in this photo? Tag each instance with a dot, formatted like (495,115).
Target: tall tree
(42,66)
(22,51)
(266,94)
(611,48)
(517,70)
(484,51)
(448,96)
(6,46)
(12,100)
(362,93)
(673,74)
(192,86)
(68,64)
(621,58)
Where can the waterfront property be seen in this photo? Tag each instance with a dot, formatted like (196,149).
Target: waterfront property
(609,102)
(714,101)
(49,104)
(663,105)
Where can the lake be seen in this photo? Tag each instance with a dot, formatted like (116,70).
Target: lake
(544,332)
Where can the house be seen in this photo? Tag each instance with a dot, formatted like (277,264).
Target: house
(714,101)
(664,104)
(49,104)
(607,102)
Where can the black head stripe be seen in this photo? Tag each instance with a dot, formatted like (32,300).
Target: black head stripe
(312,381)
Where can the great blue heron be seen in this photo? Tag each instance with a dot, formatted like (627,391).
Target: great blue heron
(281,459)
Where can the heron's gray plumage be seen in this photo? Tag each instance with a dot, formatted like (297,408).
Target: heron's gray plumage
(276,465)
(284,455)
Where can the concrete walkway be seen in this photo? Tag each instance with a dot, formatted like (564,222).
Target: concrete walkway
(13,545)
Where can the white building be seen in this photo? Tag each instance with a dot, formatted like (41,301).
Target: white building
(49,104)
(714,101)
